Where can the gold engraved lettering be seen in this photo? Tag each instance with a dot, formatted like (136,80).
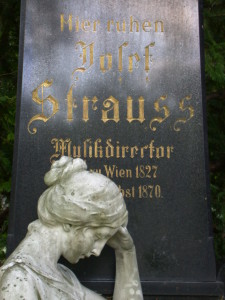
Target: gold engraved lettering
(121,173)
(76,151)
(97,22)
(98,149)
(149,191)
(146,25)
(114,171)
(50,99)
(120,66)
(109,149)
(142,150)
(127,193)
(164,108)
(109,170)
(136,56)
(123,26)
(159,152)
(62,147)
(102,62)
(85,25)
(133,151)
(84,56)
(154,169)
(146,171)
(112,104)
(87,148)
(71,103)
(125,149)
(85,107)
(108,25)
(147,55)
(98,152)
(62,22)
(161,25)
(77,24)
(151,149)
(183,108)
(117,150)
(99,171)
(169,150)
(132,23)
(141,116)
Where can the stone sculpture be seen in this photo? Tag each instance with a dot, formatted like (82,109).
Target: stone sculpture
(78,214)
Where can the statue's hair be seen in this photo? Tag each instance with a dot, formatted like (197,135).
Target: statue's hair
(79,197)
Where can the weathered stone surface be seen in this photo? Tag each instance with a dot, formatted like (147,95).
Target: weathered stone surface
(78,214)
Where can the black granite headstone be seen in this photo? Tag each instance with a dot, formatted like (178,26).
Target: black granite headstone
(119,83)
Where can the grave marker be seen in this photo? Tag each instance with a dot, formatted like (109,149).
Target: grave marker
(119,83)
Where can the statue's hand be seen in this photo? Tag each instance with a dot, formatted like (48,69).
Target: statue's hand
(121,240)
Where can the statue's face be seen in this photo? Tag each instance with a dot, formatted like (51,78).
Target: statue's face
(86,242)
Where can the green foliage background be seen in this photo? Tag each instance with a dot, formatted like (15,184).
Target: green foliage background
(214,31)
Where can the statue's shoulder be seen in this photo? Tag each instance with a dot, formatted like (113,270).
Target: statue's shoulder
(16,283)
(11,270)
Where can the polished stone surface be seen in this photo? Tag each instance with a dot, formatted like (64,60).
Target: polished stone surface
(90,56)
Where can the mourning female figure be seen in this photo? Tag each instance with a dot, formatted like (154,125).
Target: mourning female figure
(78,214)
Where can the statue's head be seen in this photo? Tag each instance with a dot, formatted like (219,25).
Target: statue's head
(88,205)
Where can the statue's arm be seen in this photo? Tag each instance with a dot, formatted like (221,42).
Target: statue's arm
(127,285)
(16,284)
